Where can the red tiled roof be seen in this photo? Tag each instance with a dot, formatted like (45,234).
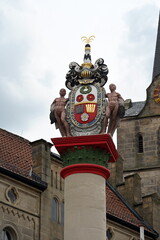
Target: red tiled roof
(117,206)
(15,153)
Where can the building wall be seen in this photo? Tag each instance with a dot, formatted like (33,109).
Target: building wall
(147,123)
(150,179)
(127,142)
(120,232)
(20,213)
(48,167)
(146,163)
(31,215)
(156,212)
(57,191)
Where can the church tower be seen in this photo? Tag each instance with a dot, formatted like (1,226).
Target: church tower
(139,134)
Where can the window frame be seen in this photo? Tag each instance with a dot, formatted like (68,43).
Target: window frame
(140,143)
(55,209)
(62,212)
(8,231)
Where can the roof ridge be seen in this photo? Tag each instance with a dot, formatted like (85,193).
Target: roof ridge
(14,135)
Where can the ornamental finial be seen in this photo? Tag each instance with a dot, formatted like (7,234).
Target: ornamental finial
(88,40)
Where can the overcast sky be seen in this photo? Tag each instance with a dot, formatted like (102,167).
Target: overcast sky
(39,38)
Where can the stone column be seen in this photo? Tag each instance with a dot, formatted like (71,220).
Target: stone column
(85,202)
(85,173)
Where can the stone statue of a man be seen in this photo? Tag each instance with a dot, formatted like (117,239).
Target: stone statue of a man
(114,110)
(58,113)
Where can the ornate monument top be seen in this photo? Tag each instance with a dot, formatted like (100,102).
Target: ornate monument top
(86,111)
(87,73)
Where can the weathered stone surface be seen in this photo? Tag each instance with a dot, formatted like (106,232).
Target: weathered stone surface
(145,163)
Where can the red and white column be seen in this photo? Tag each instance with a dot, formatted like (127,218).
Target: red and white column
(85,202)
(85,191)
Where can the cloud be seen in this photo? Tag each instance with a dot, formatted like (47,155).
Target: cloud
(137,50)
(25,84)
(39,39)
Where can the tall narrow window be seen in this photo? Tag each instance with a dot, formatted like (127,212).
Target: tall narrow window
(56,179)
(60,183)
(140,143)
(55,207)
(62,213)
(51,178)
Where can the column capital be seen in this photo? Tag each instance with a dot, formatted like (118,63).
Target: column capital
(85,168)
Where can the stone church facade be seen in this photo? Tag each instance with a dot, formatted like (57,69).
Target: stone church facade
(138,142)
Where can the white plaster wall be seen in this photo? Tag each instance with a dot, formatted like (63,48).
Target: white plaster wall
(85,207)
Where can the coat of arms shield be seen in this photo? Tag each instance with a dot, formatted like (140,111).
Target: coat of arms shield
(86,109)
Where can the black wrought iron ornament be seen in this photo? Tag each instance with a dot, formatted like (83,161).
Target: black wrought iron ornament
(87,74)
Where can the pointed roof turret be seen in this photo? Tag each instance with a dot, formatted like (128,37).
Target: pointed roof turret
(156,66)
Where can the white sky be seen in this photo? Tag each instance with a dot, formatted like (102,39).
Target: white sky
(39,38)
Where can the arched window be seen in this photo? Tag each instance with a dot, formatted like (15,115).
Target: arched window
(140,143)
(55,210)
(8,234)
(62,213)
